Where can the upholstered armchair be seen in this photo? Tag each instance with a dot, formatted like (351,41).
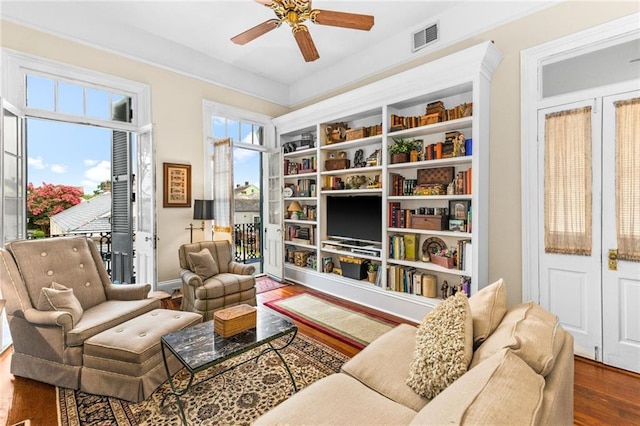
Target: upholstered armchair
(212,280)
(58,294)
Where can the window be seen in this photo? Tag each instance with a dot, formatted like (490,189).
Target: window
(237,131)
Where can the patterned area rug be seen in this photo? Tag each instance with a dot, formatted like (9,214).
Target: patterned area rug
(265,284)
(236,397)
(332,317)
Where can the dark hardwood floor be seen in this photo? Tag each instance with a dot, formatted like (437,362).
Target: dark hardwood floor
(603,395)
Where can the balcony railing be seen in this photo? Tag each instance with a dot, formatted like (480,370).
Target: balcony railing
(247,242)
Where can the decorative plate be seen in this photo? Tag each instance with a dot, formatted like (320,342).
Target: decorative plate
(433,245)
(287,192)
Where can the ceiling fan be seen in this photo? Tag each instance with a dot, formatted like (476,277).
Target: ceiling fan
(294,13)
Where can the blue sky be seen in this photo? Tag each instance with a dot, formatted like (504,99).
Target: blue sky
(78,155)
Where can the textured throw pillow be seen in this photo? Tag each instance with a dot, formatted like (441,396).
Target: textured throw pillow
(488,306)
(444,347)
(203,264)
(60,298)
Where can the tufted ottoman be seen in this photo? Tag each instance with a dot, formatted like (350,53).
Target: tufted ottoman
(126,361)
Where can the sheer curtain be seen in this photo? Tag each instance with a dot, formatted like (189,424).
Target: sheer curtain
(567,182)
(628,179)
(222,185)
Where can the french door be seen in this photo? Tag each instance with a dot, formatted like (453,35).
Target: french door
(273,251)
(597,301)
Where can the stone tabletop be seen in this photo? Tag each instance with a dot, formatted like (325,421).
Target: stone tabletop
(199,347)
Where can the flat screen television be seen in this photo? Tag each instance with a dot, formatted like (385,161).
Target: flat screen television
(355,217)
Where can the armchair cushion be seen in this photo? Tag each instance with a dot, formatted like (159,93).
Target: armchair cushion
(203,264)
(60,298)
(488,307)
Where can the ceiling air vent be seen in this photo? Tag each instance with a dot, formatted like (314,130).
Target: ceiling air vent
(425,37)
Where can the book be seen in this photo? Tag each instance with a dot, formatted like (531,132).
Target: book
(410,246)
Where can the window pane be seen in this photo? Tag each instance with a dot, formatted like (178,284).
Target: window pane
(10,175)
(70,98)
(233,130)
(11,133)
(40,93)
(219,128)
(257,135)
(98,104)
(246,133)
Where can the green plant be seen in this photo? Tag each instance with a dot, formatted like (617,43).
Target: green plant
(373,267)
(402,146)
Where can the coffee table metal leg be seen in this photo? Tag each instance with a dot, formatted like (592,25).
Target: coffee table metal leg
(174,390)
(277,351)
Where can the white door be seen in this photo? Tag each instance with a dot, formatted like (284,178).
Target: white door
(145,241)
(621,282)
(272,247)
(569,284)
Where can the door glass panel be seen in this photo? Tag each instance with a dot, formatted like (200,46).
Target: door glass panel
(275,215)
(10,175)
(11,130)
(567,182)
(628,179)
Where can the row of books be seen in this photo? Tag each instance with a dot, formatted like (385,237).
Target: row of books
(401,185)
(300,234)
(406,279)
(403,247)
(303,188)
(306,165)
(465,256)
(462,183)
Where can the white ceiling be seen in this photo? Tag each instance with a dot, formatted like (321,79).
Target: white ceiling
(193,37)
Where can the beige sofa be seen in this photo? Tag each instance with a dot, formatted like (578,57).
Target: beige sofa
(71,327)
(521,373)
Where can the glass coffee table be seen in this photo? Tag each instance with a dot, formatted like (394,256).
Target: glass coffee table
(199,347)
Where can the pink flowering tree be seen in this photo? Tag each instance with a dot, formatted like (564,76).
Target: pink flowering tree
(49,199)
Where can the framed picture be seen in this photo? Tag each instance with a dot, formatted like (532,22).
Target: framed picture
(457,225)
(459,209)
(177,185)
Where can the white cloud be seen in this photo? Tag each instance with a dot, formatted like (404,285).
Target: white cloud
(99,173)
(90,162)
(37,163)
(59,168)
(241,155)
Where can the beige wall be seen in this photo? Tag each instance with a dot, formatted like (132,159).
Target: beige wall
(176,107)
(177,113)
(505,224)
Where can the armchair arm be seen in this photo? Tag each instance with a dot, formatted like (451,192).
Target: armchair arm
(241,268)
(191,278)
(127,291)
(59,318)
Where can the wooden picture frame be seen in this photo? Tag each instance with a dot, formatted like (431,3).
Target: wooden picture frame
(459,209)
(176,185)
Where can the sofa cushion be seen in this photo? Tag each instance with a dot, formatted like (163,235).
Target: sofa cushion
(444,347)
(503,390)
(393,350)
(203,264)
(337,399)
(531,332)
(60,298)
(488,306)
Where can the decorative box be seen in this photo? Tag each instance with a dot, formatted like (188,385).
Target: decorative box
(429,222)
(236,319)
(300,258)
(442,175)
(353,134)
(353,267)
(436,117)
(445,262)
(337,164)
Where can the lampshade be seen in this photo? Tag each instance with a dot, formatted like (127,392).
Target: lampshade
(203,209)
(294,207)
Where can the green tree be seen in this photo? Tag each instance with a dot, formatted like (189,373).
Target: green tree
(49,199)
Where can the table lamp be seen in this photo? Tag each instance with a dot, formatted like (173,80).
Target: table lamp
(294,209)
(202,210)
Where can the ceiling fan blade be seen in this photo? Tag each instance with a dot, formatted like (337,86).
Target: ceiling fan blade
(305,43)
(342,19)
(255,32)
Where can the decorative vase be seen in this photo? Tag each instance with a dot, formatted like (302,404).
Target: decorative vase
(402,157)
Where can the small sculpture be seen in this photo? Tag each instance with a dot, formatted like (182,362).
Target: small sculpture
(445,289)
